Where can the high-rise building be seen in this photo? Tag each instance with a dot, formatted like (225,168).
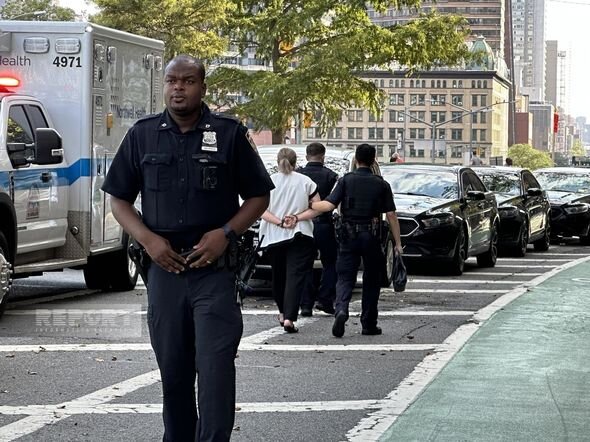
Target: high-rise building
(551,70)
(486,18)
(528,23)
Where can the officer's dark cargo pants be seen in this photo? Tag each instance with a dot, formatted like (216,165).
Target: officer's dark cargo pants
(195,327)
(368,247)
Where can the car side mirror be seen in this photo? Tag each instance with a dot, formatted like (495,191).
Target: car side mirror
(476,195)
(48,148)
(534,191)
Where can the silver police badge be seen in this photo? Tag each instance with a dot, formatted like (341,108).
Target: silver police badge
(209,141)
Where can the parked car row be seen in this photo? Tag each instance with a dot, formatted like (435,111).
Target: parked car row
(450,213)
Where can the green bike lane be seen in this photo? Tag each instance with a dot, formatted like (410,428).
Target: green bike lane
(524,375)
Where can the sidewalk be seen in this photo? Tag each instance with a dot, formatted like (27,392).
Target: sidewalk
(524,376)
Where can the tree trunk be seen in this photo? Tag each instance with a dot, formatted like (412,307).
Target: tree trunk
(278,136)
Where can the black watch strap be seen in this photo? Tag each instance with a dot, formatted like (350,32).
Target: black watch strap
(229,233)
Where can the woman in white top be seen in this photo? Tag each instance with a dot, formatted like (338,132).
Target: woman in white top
(288,235)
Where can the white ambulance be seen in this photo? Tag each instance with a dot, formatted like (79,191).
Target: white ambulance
(68,94)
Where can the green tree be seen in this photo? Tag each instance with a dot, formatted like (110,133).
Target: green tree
(525,155)
(186,26)
(25,10)
(578,149)
(317,48)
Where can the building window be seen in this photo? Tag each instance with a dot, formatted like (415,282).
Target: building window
(375,133)
(479,84)
(335,133)
(437,117)
(444,84)
(457,99)
(474,134)
(416,133)
(454,84)
(457,117)
(390,83)
(355,133)
(417,116)
(374,118)
(396,99)
(417,99)
(472,84)
(310,132)
(457,134)
(396,133)
(456,151)
(403,84)
(411,83)
(441,134)
(485,84)
(474,100)
(482,117)
(460,83)
(354,115)
(482,135)
(395,116)
(474,118)
(483,100)
(396,83)
(438,99)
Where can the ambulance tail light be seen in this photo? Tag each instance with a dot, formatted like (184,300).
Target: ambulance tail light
(7,83)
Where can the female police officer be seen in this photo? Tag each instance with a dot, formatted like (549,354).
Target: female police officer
(364,197)
(190,165)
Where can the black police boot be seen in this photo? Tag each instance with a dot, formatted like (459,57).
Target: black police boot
(326,308)
(372,331)
(306,312)
(338,327)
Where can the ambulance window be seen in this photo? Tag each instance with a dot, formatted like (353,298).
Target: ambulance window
(36,116)
(19,130)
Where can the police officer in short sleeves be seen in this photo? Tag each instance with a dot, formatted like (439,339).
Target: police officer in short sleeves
(190,167)
(362,197)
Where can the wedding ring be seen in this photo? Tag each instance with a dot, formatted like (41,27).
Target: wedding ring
(209,262)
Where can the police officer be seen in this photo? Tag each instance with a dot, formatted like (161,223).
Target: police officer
(323,234)
(363,198)
(190,165)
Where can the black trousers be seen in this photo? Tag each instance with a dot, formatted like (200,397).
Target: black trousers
(325,242)
(368,247)
(195,327)
(291,262)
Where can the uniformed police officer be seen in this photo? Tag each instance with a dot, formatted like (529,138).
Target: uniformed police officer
(190,165)
(363,198)
(323,234)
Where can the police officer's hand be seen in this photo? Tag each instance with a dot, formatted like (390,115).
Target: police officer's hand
(399,250)
(289,221)
(162,254)
(210,247)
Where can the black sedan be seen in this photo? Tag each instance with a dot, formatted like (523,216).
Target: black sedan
(445,213)
(525,212)
(568,189)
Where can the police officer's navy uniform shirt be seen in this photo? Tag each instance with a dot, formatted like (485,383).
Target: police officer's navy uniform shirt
(363,195)
(325,179)
(189,182)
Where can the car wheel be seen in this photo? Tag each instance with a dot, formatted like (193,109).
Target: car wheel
(489,258)
(457,264)
(523,241)
(389,255)
(5,273)
(542,245)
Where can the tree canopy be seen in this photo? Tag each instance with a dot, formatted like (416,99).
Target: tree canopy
(525,155)
(316,48)
(186,26)
(578,149)
(25,10)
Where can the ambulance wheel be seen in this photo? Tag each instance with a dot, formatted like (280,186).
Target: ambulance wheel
(95,273)
(5,273)
(121,270)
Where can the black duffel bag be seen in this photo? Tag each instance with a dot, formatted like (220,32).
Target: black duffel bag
(400,275)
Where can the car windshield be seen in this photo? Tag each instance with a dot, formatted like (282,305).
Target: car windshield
(338,165)
(507,183)
(420,182)
(567,182)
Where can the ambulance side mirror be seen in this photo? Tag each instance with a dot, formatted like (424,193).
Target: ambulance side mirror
(48,148)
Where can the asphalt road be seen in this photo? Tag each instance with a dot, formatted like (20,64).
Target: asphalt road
(77,365)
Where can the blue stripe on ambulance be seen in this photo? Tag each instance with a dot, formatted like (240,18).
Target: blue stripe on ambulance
(65,175)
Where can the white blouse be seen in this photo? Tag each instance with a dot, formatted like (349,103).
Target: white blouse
(290,196)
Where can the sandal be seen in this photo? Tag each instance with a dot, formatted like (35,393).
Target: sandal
(290,328)
(280,319)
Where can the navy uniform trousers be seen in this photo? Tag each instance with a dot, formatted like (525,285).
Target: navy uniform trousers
(368,247)
(195,327)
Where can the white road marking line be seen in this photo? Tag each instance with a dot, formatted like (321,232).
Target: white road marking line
(538,258)
(460,281)
(373,426)
(449,291)
(501,274)
(542,254)
(262,337)
(256,344)
(54,414)
(244,407)
(521,266)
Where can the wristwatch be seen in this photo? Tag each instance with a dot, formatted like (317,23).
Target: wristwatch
(229,233)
